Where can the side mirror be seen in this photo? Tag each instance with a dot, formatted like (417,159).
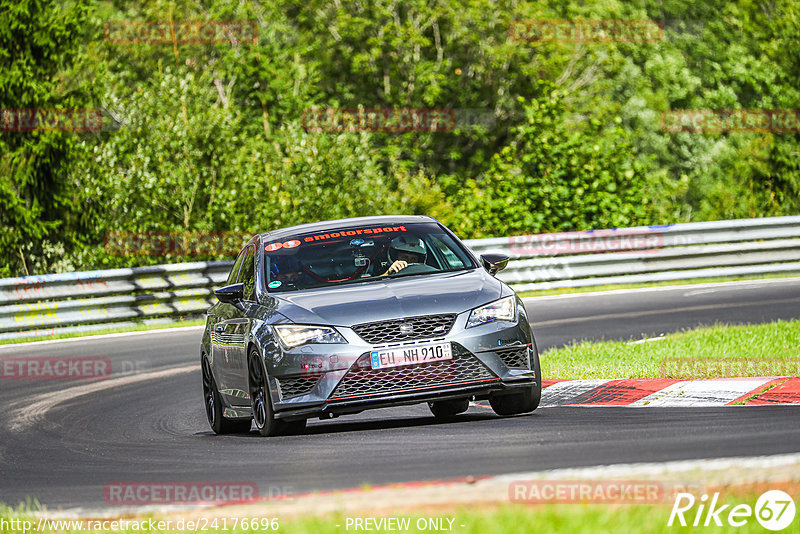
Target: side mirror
(230,294)
(494,262)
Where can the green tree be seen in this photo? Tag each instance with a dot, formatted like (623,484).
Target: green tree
(185,160)
(560,173)
(40,40)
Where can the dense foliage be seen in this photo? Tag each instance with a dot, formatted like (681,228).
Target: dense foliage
(548,135)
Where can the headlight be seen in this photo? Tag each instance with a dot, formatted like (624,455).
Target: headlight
(504,309)
(295,335)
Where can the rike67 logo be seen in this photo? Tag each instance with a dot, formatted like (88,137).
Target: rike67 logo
(774,510)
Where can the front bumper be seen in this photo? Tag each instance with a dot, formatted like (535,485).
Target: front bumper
(355,405)
(328,380)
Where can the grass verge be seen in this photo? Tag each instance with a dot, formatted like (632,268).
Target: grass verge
(509,518)
(560,518)
(713,352)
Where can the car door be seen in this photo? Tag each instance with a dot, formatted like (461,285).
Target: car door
(217,314)
(229,337)
(240,330)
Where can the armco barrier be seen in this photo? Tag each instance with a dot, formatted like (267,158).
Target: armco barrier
(644,254)
(34,306)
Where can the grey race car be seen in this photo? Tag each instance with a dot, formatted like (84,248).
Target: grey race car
(337,317)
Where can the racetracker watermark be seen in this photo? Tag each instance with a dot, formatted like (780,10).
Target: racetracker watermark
(731,120)
(586,31)
(55,368)
(215,523)
(728,367)
(387,120)
(182,32)
(149,493)
(649,240)
(175,243)
(586,491)
(51,120)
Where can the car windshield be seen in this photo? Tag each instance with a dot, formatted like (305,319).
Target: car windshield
(361,253)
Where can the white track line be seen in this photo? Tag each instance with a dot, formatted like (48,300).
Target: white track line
(687,473)
(601,472)
(103,336)
(728,285)
(643,313)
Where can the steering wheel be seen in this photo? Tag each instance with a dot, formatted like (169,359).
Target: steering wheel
(417,268)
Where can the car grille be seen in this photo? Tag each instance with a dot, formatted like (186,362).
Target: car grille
(294,386)
(362,380)
(515,357)
(424,327)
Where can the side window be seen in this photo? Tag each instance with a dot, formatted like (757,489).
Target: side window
(235,269)
(452,260)
(248,275)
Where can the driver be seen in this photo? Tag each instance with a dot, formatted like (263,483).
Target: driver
(404,250)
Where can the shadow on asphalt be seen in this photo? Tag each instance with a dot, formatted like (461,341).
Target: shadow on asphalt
(328,427)
(344,426)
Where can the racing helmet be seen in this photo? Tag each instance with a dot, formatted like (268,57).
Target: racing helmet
(410,245)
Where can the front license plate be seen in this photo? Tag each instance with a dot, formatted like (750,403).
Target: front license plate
(411,355)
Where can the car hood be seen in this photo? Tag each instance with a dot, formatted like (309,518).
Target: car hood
(428,294)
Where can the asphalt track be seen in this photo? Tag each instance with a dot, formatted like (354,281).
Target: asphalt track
(63,442)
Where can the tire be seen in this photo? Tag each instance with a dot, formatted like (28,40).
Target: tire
(448,408)
(263,414)
(525,401)
(214,409)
